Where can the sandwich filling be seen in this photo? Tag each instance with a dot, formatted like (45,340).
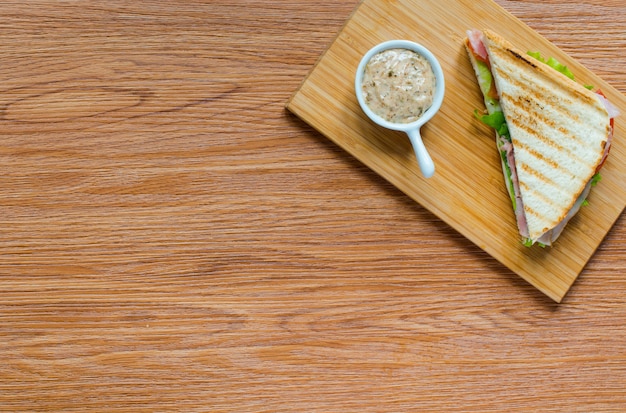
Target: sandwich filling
(495,117)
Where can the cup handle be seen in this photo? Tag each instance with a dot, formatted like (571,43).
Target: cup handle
(423,157)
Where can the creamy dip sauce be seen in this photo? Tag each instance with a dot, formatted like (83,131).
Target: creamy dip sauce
(398,85)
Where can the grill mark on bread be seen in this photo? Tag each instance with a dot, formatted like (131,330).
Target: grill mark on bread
(574,94)
(523,59)
(532,171)
(528,210)
(531,100)
(521,124)
(538,155)
(536,96)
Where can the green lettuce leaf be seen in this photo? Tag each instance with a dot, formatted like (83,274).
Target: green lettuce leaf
(495,120)
(485,78)
(527,242)
(509,178)
(595,179)
(553,63)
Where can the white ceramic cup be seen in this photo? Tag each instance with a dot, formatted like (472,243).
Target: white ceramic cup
(411,129)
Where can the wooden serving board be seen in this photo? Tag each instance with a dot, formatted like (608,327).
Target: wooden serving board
(467,190)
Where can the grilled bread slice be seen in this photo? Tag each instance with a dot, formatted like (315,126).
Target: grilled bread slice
(558,129)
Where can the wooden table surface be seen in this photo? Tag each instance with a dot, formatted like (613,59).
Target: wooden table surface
(172,239)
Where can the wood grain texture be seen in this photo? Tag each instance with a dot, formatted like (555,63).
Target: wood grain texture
(171,239)
(467,191)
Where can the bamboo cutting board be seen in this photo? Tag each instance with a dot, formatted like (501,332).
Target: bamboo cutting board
(467,190)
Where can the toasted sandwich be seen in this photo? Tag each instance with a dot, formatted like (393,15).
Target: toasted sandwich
(553,134)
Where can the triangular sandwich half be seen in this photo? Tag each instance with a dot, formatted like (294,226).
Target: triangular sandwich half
(553,134)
